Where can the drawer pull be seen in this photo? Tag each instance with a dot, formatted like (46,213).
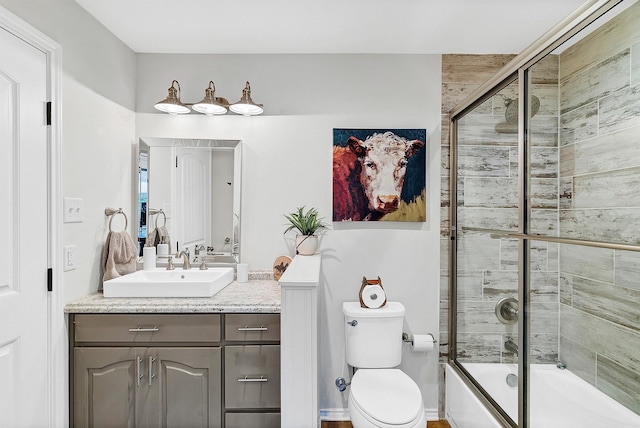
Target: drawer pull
(144,330)
(253,379)
(261,328)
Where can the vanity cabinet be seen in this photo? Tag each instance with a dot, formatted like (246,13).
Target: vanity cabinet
(175,370)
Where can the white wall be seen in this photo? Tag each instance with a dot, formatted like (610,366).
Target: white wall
(287,163)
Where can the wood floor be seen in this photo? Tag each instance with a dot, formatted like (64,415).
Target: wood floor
(431,424)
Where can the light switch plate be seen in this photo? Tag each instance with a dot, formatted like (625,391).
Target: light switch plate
(70,257)
(73,210)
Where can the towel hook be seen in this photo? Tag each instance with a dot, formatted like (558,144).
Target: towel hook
(157,212)
(112,212)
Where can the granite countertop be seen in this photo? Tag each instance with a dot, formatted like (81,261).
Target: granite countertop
(253,296)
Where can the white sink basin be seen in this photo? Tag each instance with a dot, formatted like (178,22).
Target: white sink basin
(169,283)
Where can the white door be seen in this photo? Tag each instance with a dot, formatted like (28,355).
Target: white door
(193,197)
(24,383)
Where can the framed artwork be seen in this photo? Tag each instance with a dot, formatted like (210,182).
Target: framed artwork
(379,175)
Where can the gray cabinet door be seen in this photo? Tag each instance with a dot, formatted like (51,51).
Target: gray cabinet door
(186,386)
(106,384)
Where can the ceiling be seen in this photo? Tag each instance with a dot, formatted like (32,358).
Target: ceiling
(329,26)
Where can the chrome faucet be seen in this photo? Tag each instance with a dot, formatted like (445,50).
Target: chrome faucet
(186,264)
(196,253)
(511,346)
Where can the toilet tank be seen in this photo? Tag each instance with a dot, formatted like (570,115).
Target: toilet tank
(376,339)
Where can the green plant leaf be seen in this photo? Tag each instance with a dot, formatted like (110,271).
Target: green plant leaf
(307,223)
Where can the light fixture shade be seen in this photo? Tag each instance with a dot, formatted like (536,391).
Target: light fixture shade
(210,105)
(172,103)
(246,106)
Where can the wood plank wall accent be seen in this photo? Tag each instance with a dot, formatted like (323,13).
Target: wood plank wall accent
(461,75)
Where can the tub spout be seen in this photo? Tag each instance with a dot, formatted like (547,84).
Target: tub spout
(511,346)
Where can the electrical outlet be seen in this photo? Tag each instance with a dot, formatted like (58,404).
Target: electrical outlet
(69,255)
(73,210)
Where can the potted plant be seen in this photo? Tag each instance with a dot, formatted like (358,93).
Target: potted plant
(307,224)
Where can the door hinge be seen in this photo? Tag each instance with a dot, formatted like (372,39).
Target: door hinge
(48,113)
(49,279)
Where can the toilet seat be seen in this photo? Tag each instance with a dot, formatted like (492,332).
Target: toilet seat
(386,398)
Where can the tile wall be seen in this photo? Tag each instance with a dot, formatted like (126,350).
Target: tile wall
(600,200)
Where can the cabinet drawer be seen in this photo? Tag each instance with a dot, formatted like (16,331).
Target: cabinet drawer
(252,420)
(147,328)
(252,327)
(252,376)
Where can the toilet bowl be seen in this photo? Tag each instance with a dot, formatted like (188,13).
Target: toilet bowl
(385,398)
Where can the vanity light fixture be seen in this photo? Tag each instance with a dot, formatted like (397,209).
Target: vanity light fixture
(210,105)
(172,103)
(246,106)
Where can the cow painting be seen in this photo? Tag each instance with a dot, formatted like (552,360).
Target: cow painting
(370,168)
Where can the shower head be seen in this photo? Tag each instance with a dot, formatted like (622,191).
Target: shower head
(511,111)
(510,125)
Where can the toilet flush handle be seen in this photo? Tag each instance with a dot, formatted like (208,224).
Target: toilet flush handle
(353,323)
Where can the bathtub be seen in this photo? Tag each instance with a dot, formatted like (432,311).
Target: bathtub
(559,399)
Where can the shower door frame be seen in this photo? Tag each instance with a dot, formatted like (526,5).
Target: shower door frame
(517,69)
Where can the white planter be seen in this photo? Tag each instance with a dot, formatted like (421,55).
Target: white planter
(306,245)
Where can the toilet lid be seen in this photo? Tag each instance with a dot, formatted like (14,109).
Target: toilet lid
(387,395)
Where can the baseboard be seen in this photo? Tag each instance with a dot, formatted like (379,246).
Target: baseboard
(333,415)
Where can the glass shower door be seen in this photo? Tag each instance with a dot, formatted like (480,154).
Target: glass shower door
(486,275)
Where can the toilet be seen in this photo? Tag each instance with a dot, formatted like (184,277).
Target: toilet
(381,395)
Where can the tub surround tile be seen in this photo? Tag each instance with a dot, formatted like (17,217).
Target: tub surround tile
(544,131)
(607,301)
(479,161)
(469,284)
(544,193)
(480,317)
(544,221)
(635,64)
(619,383)
(596,82)
(479,129)
(579,124)
(622,30)
(498,285)
(479,348)
(580,360)
(618,188)
(627,272)
(489,218)
(587,262)
(608,225)
(597,154)
(565,193)
(620,344)
(548,96)
(253,296)
(543,348)
(545,71)
(620,110)
(490,192)
(566,288)
(544,162)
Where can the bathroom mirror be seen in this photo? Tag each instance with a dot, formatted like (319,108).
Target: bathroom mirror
(192,188)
